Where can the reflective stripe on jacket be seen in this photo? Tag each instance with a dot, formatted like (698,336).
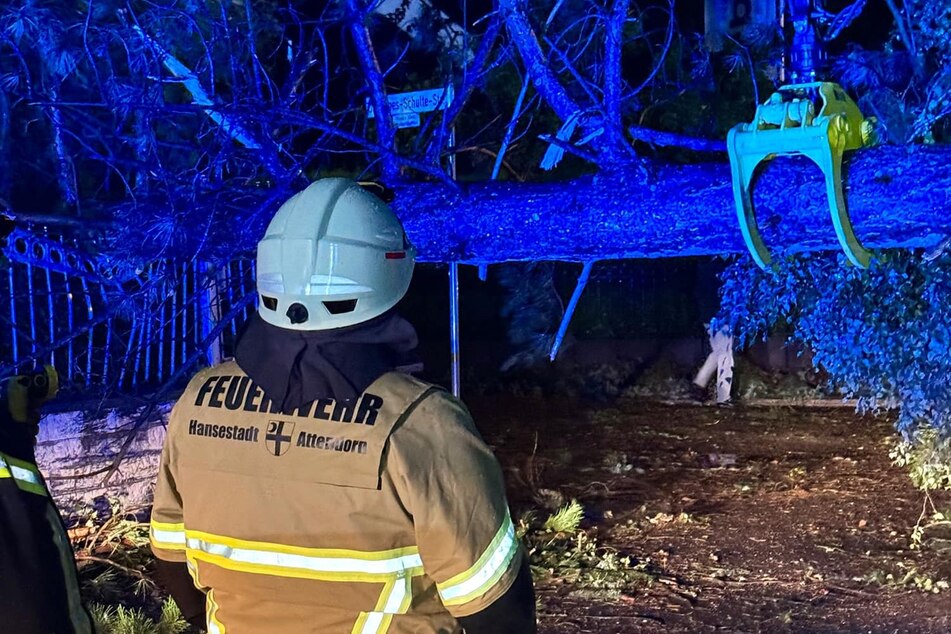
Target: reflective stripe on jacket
(26,476)
(39,591)
(387,514)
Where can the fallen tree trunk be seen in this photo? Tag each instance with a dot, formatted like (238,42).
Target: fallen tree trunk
(897,197)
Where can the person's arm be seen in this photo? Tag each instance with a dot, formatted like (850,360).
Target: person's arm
(167,539)
(512,613)
(39,589)
(173,578)
(452,485)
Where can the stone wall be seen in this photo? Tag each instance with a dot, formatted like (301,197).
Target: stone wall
(71,445)
(75,448)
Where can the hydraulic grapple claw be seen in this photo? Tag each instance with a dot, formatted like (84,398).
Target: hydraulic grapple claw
(788,124)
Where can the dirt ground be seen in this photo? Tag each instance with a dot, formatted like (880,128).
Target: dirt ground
(749,519)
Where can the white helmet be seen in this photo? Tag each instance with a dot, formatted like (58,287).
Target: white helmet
(334,255)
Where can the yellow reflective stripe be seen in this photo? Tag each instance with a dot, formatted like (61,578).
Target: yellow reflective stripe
(192,567)
(290,561)
(291,572)
(486,572)
(403,607)
(385,593)
(385,620)
(26,475)
(371,622)
(394,568)
(337,553)
(360,624)
(4,472)
(214,625)
(22,464)
(167,526)
(167,536)
(395,599)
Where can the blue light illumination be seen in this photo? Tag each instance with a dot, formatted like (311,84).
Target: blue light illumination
(680,211)
(182,126)
(882,334)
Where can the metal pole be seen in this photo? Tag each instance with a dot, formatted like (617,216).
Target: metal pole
(182,287)
(145,344)
(49,305)
(14,331)
(454,357)
(89,335)
(570,310)
(52,314)
(454,327)
(69,324)
(159,339)
(30,298)
(173,318)
(229,285)
(197,305)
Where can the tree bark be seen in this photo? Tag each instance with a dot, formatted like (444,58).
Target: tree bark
(897,197)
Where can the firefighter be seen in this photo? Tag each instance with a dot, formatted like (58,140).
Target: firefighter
(307,485)
(39,591)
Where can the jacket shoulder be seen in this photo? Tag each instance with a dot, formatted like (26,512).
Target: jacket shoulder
(229,368)
(200,379)
(396,380)
(435,409)
(404,387)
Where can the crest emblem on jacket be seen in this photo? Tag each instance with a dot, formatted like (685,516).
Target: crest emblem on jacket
(278,437)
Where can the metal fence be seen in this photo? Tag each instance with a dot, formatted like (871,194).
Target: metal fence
(110,331)
(636,299)
(119,332)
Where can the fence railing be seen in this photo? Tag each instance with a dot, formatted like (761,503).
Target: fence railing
(110,331)
(114,332)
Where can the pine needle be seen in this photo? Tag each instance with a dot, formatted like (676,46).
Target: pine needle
(171,621)
(118,619)
(566,519)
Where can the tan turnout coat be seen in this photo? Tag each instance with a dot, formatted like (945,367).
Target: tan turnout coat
(385,516)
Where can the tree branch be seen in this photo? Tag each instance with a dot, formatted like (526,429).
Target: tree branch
(658,137)
(613,40)
(663,55)
(476,69)
(370,67)
(545,81)
(510,128)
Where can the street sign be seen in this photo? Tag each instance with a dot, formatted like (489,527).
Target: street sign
(406,119)
(405,107)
